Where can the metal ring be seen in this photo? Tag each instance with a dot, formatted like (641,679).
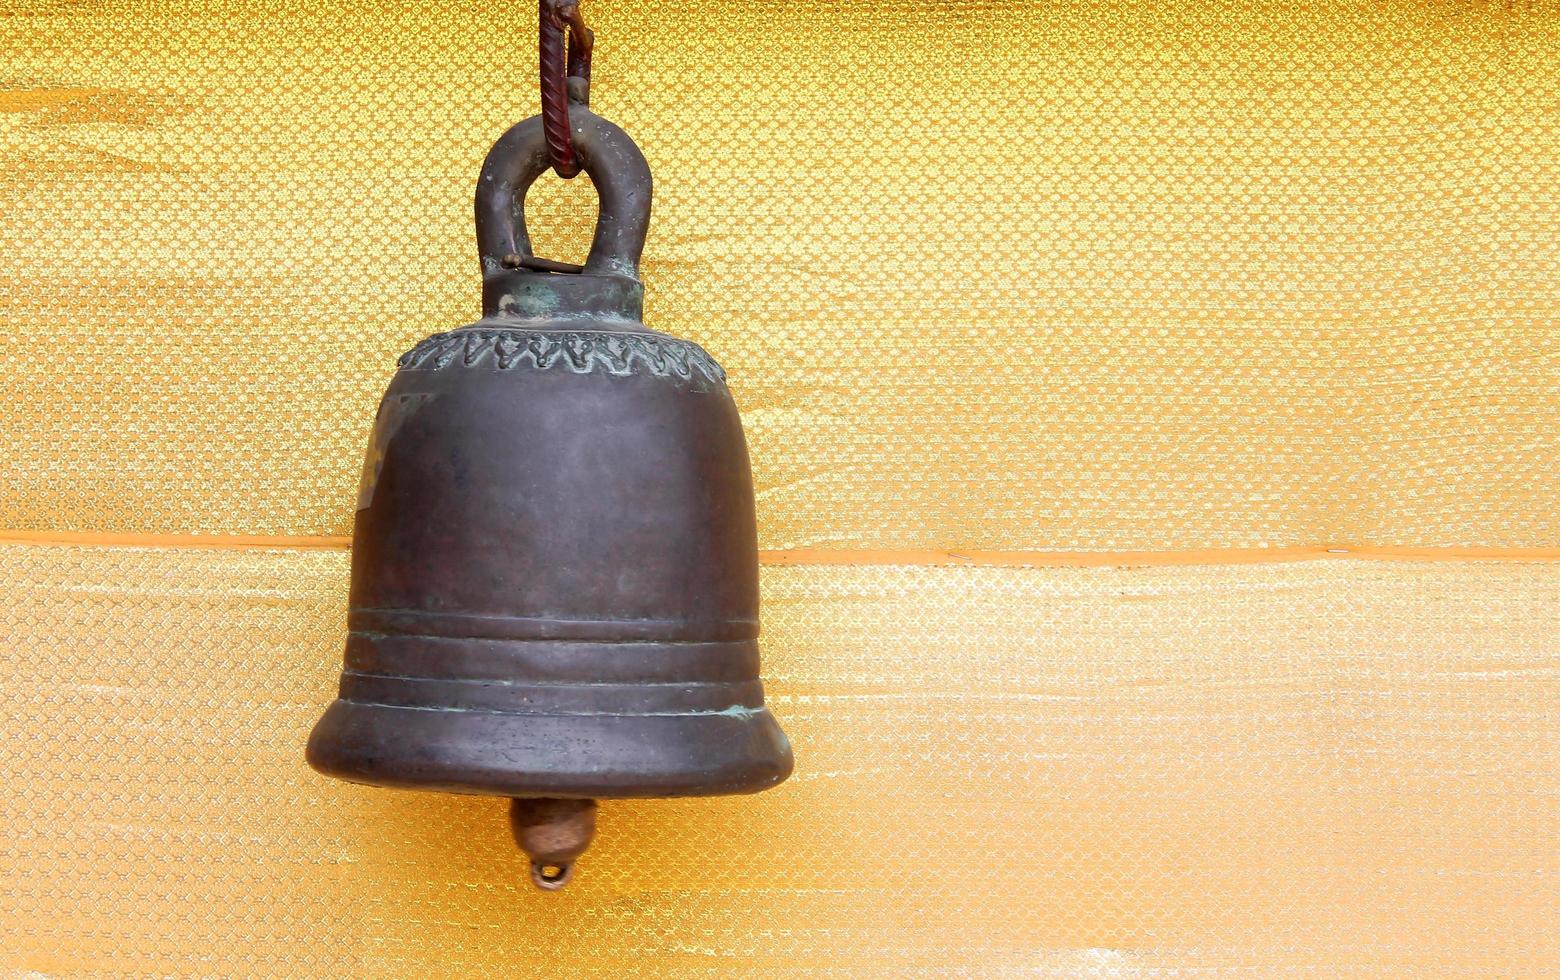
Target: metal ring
(616,168)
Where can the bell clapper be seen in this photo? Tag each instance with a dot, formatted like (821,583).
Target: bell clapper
(553,832)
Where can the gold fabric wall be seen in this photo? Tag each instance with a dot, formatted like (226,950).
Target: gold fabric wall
(1073,340)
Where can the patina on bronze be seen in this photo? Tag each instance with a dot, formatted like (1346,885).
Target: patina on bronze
(554,567)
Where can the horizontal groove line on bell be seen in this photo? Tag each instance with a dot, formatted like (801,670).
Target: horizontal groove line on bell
(565,661)
(570,640)
(522,697)
(416,622)
(734,711)
(506,682)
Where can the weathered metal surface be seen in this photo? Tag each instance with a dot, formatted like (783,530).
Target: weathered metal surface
(555,567)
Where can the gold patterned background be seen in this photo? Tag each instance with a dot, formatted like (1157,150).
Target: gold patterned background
(1213,284)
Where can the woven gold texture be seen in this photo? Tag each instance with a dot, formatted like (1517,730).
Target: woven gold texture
(1067,771)
(985,275)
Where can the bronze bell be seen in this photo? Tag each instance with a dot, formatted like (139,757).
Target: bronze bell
(555,564)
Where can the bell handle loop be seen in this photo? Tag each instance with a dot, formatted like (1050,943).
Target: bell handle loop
(616,168)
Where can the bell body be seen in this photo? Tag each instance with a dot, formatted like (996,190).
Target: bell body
(554,565)
(554,575)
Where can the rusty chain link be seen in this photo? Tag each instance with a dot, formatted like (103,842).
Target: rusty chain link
(559,18)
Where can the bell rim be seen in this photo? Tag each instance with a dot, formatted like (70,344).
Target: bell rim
(733,752)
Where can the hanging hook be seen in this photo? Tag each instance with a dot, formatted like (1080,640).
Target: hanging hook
(558,18)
